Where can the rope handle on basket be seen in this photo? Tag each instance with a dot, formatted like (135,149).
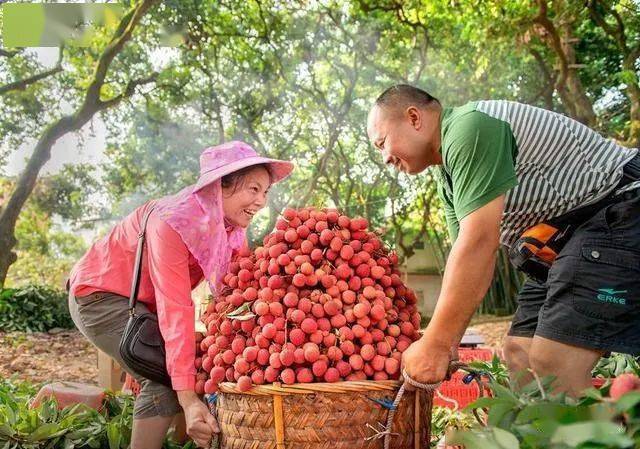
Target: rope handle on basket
(211,403)
(385,431)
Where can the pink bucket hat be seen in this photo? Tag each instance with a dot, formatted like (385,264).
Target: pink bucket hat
(221,160)
(196,212)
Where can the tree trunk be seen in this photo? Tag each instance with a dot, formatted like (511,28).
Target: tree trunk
(70,123)
(633,92)
(24,186)
(583,109)
(568,85)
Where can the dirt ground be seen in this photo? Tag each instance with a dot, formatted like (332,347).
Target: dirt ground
(45,357)
(67,355)
(493,331)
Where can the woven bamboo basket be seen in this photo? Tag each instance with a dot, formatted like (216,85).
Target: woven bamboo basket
(342,415)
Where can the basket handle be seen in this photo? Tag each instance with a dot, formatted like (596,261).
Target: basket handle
(473,376)
(454,366)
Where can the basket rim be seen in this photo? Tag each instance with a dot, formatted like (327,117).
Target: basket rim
(278,388)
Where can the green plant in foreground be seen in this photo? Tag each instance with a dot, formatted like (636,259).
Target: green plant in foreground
(496,369)
(617,364)
(444,419)
(533,418)
(77,426)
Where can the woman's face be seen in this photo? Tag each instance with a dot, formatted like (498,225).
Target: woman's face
(243,199)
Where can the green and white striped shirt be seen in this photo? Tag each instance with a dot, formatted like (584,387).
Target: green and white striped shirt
(546,163)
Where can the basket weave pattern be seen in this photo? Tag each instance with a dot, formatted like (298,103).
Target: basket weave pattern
(320,416)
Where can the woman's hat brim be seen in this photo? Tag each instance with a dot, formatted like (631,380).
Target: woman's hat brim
(278,169)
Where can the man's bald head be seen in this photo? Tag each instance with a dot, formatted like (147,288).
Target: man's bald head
(404,124)
(398,98)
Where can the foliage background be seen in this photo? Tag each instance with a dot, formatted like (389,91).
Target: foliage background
(295,79)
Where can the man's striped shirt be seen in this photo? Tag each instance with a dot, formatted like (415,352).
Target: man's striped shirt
(546,163)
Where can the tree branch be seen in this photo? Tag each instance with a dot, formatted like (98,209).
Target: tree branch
(121,36)
(543,19)
(129,90)
(24,83)
(546,91)
(617,33)
(9,53)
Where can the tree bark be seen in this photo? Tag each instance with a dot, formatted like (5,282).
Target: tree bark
(568,85)
(546,92)
(633,92)
(583,108)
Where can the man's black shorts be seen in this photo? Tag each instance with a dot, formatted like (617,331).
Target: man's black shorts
(592,295)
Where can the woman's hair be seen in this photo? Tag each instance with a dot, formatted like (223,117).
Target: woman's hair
(236,178)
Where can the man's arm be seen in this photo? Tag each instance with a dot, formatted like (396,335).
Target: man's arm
(467,278)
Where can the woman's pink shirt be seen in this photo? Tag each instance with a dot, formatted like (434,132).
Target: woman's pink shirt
(169,273)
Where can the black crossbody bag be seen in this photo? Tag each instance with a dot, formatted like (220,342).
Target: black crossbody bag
(142,345)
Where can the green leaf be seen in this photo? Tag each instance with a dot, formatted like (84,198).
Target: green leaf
(502,415)
(8,414)
(48,411)
(113,436)
(483,439)
(532,389)
(240,310)
(243,317)
(608,433)
(46,432)
(590,396)
(557,412)
(628,401)
(532,433)
(504,393)
(505,439)
(6,431)
(628,77)
(483,402)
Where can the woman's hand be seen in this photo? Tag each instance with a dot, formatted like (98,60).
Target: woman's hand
(201,424)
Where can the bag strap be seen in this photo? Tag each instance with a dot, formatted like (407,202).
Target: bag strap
(137,267)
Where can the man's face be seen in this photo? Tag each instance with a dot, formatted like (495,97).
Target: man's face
(401,137)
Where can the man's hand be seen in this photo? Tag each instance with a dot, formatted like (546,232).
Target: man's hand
(201,424)
(426,363)
(466,280)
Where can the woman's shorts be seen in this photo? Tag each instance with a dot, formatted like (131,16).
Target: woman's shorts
(101,317)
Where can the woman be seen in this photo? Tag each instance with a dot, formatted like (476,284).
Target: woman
(190,236)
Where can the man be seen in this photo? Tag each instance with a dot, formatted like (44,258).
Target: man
(506,171)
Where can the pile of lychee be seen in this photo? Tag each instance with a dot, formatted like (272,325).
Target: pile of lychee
(321,301)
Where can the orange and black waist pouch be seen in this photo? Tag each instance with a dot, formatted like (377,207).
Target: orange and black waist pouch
(537,248)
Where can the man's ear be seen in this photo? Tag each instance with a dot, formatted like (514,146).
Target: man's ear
(415,117)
